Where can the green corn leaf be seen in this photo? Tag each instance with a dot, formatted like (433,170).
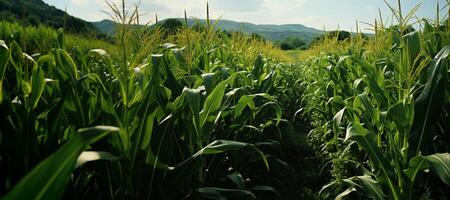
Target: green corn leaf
(412,43)
(330,88)
(258,67)
(265,189)
(278,112)
(264,95)
(66,63)
(243,102)
(221,146)
(213,102)
(366,185)
(355,129)
(185,169)
(163,93)
(416,164)
(49,178)
(374,80)
(358,84)
(430,102)
(440,163)
(364,105)
(107,105)
(248,100)
(345,193)
(100,52)
(60,38)
(155,68)
(237,179)
(171,80)
(402,114)
(154,161)
(209,80)
(4,58)
(17,61)
(148,130)
(267,82)
(367,141)
(37,86)
(431,39)
(89,156)
(327,187)
(16,56)
(221,194)
(193,97)
(372,187)
(337,119)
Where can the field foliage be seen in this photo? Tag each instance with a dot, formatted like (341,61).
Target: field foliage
(198,113)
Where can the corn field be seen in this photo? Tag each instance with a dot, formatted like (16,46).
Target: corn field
(205,114)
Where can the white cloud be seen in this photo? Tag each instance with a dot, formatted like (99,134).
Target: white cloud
(314,13)
(315,21)
(283,5)
(258,11)
(80,2)
(90,10)
(239,6)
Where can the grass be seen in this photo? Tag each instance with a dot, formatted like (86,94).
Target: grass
(41,39)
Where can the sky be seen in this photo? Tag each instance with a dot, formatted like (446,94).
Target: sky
(319,14)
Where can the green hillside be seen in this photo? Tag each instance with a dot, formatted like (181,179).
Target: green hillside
(106,26)
(37,12)
(269,31)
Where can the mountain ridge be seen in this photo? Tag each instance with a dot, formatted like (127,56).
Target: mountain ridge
(273,32)
(36,12)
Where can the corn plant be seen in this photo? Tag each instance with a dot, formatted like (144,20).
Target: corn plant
(391,100)
(190,120)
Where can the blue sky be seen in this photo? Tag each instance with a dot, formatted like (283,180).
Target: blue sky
(320,14)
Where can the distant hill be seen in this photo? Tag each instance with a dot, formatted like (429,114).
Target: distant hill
(35,12)
(268,31)
(106,26)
